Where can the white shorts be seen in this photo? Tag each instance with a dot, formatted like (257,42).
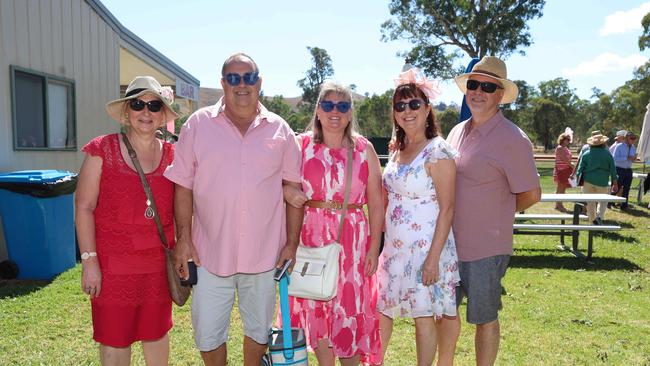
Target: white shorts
(212,301)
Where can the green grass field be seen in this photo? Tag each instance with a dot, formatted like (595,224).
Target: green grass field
(558,309)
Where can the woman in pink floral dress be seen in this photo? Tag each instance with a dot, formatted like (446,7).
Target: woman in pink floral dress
(346,327)
(418,267)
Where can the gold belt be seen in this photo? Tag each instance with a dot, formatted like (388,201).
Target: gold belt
(333,205)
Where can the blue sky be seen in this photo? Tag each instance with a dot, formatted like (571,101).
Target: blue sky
(591,43)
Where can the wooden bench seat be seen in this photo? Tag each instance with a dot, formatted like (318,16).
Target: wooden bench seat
(555,229)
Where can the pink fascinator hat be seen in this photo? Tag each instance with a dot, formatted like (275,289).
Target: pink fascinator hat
(412,75)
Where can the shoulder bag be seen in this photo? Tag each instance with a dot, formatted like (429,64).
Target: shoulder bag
(316,272)
(179,293)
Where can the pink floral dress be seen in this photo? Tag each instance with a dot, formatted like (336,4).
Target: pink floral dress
(410,223)
(350,320)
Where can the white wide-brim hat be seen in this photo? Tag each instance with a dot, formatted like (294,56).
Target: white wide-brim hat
(493,67)
(138,87)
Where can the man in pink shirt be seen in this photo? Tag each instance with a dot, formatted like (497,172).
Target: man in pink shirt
(230,164)
(496,177)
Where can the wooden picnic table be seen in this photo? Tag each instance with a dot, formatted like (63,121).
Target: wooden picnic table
(574,228)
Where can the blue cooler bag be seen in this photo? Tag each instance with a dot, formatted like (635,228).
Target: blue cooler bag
(287,346)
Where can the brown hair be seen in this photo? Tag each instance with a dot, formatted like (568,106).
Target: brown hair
(406,91)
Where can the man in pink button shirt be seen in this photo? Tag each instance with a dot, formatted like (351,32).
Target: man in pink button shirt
(230,164)
(496,177)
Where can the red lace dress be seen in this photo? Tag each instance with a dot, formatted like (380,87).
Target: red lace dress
(134,303)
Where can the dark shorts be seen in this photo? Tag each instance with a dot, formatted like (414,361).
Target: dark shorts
(480,282)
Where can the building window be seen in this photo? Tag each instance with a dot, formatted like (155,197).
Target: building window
(43,111)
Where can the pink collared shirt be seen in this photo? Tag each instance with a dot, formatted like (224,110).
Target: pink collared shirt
(236,181)
(495,163)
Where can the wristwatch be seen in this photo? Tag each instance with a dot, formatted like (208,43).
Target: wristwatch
(87,255)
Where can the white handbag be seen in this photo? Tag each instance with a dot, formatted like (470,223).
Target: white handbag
(316,272)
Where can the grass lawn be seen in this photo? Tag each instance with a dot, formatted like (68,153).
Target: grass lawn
(558,309)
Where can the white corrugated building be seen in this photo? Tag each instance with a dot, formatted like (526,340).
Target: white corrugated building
(60,62)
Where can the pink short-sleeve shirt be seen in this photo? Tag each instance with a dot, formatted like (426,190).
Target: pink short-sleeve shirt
(495,162)
(236,181)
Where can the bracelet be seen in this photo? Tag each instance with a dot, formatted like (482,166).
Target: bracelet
(88,255)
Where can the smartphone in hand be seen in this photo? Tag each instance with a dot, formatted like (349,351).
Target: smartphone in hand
(192,279)
(279,272)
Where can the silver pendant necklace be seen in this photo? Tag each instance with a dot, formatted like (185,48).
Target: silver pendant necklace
(148,212)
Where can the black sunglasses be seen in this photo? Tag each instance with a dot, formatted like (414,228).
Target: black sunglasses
(486,86)
(139,104)
(328,106)
(414,104)
(250,78)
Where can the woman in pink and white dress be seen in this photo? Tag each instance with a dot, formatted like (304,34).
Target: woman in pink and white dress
(347,326)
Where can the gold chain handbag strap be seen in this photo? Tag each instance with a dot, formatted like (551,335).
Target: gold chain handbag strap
(147,190)
(348,184)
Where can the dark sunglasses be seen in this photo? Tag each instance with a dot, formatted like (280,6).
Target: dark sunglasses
(486,86)
(250,78)
(328,106)
(139,104)
(414,104)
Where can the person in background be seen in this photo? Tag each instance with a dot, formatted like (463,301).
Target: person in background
(563,167)
(583,149)
(418,267)
(619,138)
(624,155)
(346,327)
(496,177)
(123,260)
(232,160)
(597,168)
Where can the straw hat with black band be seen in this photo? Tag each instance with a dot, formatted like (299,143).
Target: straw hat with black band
(493,67)
(138,87)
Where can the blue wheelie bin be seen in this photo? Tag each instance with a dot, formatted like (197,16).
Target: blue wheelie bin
(38,217)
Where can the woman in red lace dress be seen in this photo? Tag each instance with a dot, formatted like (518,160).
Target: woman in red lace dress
(123,260)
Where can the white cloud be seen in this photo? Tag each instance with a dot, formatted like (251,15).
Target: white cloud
(624,21)
(603,63)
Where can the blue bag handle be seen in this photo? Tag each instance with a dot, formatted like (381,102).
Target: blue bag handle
(286,321)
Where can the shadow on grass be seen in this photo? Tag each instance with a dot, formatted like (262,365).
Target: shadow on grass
(636,212)
(615,236)
(563,261)
(16,288)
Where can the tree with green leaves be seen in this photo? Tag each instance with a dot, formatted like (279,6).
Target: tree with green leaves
(320,70)
(277,105)
(440,29)
(375,115)
(644,39)
(447,119)
(548,121)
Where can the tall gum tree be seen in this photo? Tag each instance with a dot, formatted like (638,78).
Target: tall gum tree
(441,30)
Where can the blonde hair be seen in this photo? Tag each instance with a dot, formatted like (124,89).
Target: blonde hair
(562,137)
(351,130)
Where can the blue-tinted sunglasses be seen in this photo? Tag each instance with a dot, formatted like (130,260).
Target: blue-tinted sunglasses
(250,78)
(328,106)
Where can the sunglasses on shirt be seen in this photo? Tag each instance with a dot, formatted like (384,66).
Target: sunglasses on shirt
(486,86)
(139,104)
(328,106)
(250,78)
(413,104)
